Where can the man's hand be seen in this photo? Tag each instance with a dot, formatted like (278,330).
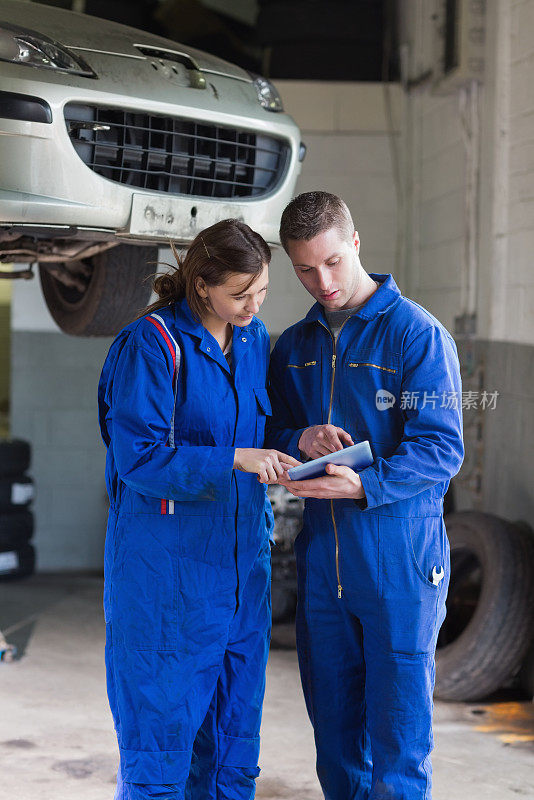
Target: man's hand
(339,483)
(321,440)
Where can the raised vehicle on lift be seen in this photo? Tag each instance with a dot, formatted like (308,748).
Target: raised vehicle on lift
(113,141)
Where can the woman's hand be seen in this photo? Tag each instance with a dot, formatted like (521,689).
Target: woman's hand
(269,465)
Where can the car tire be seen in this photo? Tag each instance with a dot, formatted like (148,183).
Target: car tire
(17,563)
(490,606)
(117,289)
(526,675)
(14,457)
(16,529)
(16,493)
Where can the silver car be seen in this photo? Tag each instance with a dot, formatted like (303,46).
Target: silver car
(113,141)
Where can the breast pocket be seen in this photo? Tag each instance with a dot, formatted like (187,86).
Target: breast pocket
(373,379)
(374,366)
(263,410)
(303,383)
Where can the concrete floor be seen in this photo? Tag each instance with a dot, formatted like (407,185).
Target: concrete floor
(57,740)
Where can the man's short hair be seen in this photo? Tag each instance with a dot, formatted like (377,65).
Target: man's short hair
(311,213)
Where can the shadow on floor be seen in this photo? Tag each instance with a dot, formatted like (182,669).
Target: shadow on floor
(23,601)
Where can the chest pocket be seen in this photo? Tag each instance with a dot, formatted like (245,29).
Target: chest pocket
(263,410)
(373,379)
(373,367)
(300,378)
(377,364)
(391,370)
(303,381)
(303,365)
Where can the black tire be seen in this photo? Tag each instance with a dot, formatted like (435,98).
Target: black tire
(16,529)
(490,606)
(14,456)
(526,675)
(116,290)
(17,563)
(16,493)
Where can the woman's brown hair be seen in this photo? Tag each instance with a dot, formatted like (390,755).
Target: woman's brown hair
(227,247)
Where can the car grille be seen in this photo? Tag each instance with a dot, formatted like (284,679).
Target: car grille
(180,156)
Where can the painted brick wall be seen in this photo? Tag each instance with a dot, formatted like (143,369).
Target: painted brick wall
(436,182)
(345,128)
(54,380)
(434,263)
(497,475)
(519,319)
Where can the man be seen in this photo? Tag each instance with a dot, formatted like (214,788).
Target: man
(372,557)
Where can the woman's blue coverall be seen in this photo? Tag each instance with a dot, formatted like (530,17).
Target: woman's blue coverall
(187,557)
(371,601)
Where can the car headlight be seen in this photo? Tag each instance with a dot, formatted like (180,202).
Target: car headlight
(268,96)
(22,46)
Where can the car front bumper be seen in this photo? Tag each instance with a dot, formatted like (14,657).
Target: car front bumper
(45,183)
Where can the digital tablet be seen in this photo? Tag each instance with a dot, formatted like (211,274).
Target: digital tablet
(357,457)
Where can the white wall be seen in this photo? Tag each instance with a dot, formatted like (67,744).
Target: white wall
(434,267)
(345,128)
(436,175)
(513,42)
(491,126)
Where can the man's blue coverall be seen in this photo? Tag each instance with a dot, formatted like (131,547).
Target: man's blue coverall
(187,558)
(369,610)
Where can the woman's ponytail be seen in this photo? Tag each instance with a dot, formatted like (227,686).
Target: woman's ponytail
(169,287)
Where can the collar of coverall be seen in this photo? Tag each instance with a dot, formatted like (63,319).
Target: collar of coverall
(186,322)
(387,294)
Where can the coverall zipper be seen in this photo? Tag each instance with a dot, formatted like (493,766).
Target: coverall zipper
(234,479)
(334,357)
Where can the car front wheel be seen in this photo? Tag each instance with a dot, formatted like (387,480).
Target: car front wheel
(100,295)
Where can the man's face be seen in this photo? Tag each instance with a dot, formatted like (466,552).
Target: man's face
(328,267)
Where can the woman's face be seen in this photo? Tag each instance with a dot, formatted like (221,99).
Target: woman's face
(231,302)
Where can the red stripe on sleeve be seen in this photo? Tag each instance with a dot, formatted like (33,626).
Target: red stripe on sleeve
(164,334)
(163,506)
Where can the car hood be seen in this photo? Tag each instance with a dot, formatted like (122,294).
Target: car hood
(92,34)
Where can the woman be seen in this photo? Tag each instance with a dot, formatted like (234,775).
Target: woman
(182,405)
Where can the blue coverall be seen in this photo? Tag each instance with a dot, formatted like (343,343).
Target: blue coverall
(187,557)
(368,610)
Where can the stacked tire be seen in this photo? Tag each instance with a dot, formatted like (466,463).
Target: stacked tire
(17,554)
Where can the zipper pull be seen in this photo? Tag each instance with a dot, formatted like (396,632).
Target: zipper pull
(334,361)
(339,591)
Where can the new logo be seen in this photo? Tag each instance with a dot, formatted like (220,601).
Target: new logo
(384,399)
